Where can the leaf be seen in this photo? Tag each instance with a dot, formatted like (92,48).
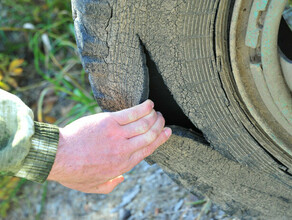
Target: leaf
(8,187)
(50,119)
(12,82)
(4,206)
(36,14)
(4,86)
(15,63)
(207,207)
(16,72)
(48,107)
(198,202)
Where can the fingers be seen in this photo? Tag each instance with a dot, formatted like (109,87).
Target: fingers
(138,156)
(150,136)
(133,114)
(140,126)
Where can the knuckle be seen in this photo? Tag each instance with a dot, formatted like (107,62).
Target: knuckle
(132,115)
(164,137)
(162,120)
(149,107)
(152,116)
(144,125)
(146,107)
(152,135)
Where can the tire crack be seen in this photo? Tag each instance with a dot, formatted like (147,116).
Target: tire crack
(158,92)
(107,31)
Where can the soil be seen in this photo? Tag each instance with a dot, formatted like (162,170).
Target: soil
(146,193)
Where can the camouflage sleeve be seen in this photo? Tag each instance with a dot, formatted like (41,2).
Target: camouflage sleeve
(27,148)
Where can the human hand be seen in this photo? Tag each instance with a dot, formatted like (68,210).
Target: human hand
(96,150)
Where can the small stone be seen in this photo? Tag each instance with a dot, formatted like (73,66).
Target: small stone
(124,214)
(150,178)
(46,41)
(176,188)
(220,214)
(128,197)
(149,208)
(29,26)
(157,211)
(178,205)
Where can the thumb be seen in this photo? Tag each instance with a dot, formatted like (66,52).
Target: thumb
(109,186)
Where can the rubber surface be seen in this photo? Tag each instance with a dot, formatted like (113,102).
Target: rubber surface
(187,40)
(241,191)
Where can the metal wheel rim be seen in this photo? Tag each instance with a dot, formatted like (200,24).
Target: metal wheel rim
(258,74)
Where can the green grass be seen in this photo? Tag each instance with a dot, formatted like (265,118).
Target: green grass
(49,55)
(51,44)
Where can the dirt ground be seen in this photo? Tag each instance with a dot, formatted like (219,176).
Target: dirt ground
(146,193)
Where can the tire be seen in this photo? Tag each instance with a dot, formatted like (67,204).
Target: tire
(177,53)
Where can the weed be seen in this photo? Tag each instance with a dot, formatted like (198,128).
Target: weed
(40,34)
(9,187)
(50,39)
(9,69)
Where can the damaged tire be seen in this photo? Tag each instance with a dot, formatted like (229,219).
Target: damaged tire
(201,62)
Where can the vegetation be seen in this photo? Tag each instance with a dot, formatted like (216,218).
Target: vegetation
(38,53)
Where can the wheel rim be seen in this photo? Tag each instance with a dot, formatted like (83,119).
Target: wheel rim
(286,59)
(261,73)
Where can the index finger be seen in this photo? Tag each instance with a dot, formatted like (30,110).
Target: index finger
(129,115)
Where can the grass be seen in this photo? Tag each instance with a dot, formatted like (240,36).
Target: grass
(50,47)
(38,53)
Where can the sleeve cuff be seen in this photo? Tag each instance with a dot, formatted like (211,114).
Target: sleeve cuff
(40,159)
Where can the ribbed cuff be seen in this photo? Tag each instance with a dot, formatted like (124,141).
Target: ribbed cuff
(39,161)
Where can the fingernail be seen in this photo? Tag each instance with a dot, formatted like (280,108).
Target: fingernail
(168,132)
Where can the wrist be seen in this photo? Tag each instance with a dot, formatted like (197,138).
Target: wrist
(57,167)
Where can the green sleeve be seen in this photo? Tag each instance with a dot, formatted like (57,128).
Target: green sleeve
(27,148)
